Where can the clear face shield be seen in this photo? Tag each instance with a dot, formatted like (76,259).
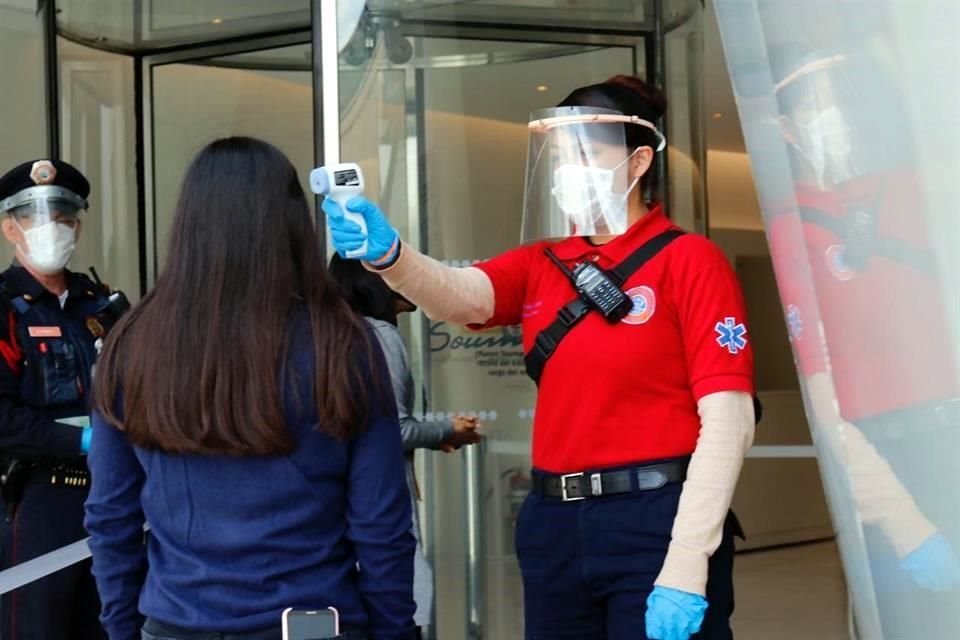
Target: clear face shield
(823,133)
(578,179)
(48,218)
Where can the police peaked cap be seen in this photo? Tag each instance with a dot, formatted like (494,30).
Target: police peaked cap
(44,173)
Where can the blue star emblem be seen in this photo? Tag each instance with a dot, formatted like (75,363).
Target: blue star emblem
(794,321)
(731,335)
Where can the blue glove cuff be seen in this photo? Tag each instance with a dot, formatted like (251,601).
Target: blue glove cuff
(673,614)
(85,439)
(390,257)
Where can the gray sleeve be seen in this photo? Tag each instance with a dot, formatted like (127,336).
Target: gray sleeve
(414,433)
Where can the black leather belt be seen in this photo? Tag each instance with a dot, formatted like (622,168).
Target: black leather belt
(582,485)
(163,631)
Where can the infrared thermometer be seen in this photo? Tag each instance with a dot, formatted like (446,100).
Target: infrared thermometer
(341,182)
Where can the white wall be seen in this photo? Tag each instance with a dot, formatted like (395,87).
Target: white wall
(195,105)
(732,197)
(23,126)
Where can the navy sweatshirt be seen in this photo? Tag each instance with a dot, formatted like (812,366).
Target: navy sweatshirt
(235,540)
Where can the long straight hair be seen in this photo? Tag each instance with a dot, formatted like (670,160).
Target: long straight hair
(199,361)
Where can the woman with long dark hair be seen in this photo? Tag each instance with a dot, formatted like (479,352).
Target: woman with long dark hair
(244,413)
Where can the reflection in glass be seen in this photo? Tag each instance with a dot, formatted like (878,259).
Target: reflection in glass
(848,142)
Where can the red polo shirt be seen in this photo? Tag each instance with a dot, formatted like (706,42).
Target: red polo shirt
(883,330)
(625,393)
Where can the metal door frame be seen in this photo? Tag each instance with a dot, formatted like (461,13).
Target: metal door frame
(146,67)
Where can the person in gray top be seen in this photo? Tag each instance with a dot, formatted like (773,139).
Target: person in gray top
(370,297)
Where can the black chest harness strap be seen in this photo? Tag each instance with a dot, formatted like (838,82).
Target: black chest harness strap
(576,310)
(859,234)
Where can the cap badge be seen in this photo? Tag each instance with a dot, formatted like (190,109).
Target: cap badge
(43,172)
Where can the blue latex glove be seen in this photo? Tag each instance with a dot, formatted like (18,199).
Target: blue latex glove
(933,565)
(382,239)
(673,614)
(85,439)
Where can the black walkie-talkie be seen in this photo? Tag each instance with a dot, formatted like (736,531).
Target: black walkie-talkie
(596,288)
(117,303)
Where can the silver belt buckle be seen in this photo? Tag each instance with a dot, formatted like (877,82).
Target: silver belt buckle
(596,484)
(563,486)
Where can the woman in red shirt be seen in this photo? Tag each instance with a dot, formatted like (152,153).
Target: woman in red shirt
(644,411)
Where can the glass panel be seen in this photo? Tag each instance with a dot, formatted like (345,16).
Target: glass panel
(849,114)
(684,60)
(583,15)
(475,155)
(196,104)
(779,500)
(107,22)
(167,14)
(185,21)
(136,24)
(283,59)
(97,136)
(21,49)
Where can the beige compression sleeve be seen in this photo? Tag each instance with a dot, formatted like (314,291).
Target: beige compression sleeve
(879,496)
(726,432)
(459,295)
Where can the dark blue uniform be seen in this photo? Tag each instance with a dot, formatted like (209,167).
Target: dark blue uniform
(48,354)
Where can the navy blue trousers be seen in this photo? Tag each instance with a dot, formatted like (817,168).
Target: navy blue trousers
(64,605)
(589,566)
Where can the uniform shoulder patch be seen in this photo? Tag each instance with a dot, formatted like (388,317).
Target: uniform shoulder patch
(731,335)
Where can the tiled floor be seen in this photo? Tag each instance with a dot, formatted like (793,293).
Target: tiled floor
(793,593)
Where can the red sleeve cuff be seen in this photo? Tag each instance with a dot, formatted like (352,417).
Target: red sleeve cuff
(726,382)
(499,317)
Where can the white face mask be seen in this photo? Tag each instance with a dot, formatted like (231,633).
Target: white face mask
(586,194)
(49,246)
(826,143)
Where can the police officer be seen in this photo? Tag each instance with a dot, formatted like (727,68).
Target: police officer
(635,333)
(52,322)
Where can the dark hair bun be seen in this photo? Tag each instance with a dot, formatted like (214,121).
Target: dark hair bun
(628,95)
(652,99)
